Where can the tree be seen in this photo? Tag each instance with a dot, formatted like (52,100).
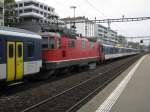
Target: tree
(9,1)
(10,13)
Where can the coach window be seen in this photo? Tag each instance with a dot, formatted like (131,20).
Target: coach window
(83,44)
(51,43)
(71,44)
(30,48)
(44,42)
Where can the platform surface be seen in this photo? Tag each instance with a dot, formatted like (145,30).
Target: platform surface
(130,92)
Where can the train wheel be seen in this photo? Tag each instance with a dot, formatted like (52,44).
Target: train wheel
(46,75)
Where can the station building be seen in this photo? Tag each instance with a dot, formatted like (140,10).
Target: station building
(106,35)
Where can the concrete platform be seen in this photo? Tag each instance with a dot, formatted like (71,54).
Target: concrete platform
(130,92)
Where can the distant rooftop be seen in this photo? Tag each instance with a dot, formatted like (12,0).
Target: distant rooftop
(34,1)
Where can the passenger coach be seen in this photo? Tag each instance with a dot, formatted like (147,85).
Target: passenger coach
(111,52)
(20,54)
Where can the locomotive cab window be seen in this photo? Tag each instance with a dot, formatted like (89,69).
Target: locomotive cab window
(51,43)
(48,42)
(71,44)
(92,44)
(44,42)
(83,44)
(30,48)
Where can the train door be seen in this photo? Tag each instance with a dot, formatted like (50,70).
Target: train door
(19,60)
(14,61)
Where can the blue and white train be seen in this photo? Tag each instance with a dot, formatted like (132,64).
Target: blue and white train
(111,52)
(20,54)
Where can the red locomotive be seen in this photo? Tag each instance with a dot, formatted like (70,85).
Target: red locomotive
(64,50)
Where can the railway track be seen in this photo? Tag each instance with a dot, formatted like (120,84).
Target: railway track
(66,94)
(77,94)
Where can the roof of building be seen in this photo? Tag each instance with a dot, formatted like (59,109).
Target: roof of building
(34,1)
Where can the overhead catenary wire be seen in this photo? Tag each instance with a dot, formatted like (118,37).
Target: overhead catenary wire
(91,5)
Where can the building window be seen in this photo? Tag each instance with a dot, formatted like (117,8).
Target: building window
(48,9)
(20,5)
(20,11)
(30,49)
(41,6)
(83,44)
(71,44)
(41,13)
(36,4)
(100,35)
(45,8)
(45,14)
(27,10)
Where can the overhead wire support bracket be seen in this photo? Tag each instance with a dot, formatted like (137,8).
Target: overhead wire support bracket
(121,20)
(114,20)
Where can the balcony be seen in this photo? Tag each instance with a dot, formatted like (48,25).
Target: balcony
(34,7)
(31,14)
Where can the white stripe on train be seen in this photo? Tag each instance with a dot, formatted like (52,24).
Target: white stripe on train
(30,67)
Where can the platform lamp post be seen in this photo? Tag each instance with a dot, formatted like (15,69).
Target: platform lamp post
(74,27)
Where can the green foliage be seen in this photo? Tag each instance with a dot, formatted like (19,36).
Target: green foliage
(10,13)
(9,1)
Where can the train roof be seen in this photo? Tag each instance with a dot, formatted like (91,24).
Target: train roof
(117,47)
(50,34)
(18,32)
(67,36)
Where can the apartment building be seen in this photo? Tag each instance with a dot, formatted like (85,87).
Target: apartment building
(32,10)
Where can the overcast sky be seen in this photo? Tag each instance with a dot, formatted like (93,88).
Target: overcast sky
(104,9)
